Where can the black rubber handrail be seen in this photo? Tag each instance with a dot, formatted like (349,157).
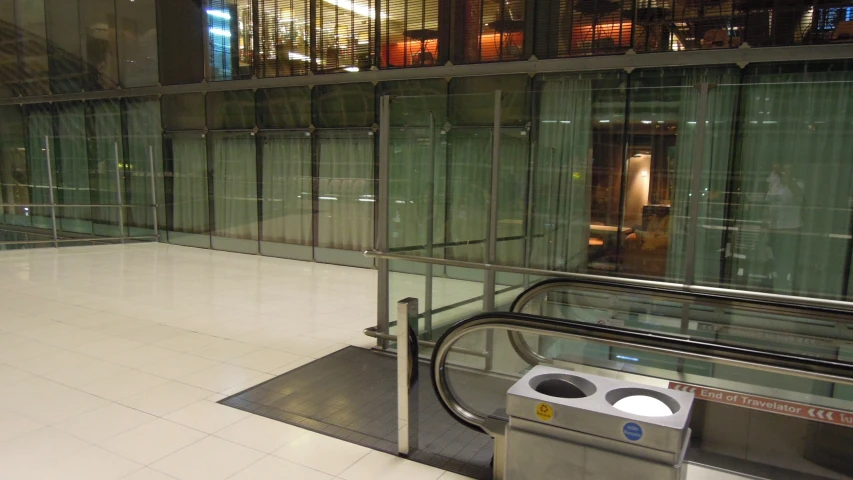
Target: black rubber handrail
(759,359)
(524,350)
(702,296)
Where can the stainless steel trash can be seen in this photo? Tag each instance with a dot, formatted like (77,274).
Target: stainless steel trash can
(569,425)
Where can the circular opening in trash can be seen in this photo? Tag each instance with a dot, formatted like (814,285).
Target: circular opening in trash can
(563,386)
(643,405)
(639,401)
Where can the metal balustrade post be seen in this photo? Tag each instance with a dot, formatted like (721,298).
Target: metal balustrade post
(407,376)
(119,197)
(430,229)
(153,193)
(492,235)
(50,192)
(381,241)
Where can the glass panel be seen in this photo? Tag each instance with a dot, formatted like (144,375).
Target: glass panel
(32,47)
(796,181)
(183,112)
(144,144)
(479,109)
(230,29)
(512,197)
(661,152)
(187,155)
(345,31)
(469,166)
(39,136)
(72,169)
(574,211)
(350,105)
(231,110)
(284,107)
(285,35)
(488,31)
(137,43)
(106,154)
(287,188)
(64,47)
(714,178)
(100,52)
(180,35)
(9,78)
(346,190)
(13,168)
(411,39)
(235,186)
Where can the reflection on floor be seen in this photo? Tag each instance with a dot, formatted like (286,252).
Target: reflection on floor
(351,395)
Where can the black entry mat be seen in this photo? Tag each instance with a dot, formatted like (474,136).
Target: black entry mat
(352,395)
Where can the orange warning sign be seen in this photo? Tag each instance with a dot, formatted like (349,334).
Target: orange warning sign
(766,404)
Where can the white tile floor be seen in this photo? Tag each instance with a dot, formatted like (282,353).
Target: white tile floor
(112,359)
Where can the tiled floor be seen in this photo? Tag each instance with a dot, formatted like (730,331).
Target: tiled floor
(112,359)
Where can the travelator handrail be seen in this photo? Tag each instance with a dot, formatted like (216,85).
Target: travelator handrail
(541,289)
(749,358)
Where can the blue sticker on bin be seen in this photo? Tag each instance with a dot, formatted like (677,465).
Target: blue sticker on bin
(632,431)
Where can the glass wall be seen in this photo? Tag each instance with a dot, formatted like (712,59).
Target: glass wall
(68,46)
(14,179)
(287,228)
(233,160)
(185,156)
(717,176)
(180,36)
(32,47)
(95,155)
(345,116)
(284,37)
(137,43)
(106,154)
(230,35)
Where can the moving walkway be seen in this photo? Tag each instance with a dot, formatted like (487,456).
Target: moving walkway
(773,383)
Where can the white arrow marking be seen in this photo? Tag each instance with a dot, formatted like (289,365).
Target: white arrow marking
(829,416)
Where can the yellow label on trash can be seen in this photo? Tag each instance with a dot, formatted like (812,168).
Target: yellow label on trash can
(544,412)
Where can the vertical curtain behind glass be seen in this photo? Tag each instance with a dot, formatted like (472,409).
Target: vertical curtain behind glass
(144,139)
(235,190)
(719,122)
(512,198)
(410,151)
(39,126)
(287,188)
(469,157)
(72,167)
(190,208)
(105,138)
(801,120)
(346,187)
(561,191)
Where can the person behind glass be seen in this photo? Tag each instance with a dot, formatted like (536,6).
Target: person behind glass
(784,199)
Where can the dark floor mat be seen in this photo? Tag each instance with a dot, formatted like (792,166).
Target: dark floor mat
(352,395)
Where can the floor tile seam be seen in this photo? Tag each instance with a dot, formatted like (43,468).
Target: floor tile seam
(279,458)
(151,465)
